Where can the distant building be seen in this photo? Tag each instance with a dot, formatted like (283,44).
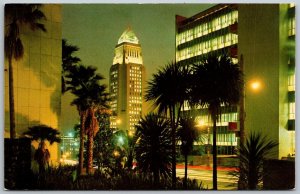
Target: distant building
(37,78)
(127,76)
(69,147)
(262,38)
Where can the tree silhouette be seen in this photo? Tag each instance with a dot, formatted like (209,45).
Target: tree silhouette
(168,90)
(90,97)
(255,149)
(68,60)
(217,82)
(153,148)
(187,135)
(41,133)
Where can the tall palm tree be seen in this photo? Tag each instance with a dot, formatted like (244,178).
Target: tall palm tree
(41,133)
(18,16)
(68,60)
(90,97)
(153,148)
(255,149)
(187,134)
(168,90)
(218,82)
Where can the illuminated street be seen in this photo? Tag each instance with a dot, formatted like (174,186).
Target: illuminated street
(225,181)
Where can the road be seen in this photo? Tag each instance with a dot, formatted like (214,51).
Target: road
(204,174)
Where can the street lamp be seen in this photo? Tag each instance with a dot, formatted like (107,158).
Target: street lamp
(255,85)
(202,125)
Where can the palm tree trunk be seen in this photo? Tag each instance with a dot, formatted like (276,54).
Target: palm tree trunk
(215,183)
(11,99)
(81,146)
(185,170)
(172,116)
(90,153)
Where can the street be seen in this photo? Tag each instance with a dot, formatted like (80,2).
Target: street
(225,181)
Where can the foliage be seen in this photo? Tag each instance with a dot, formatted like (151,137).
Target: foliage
(256,148)
(153,149)
(68,60)
(103,149)
(60,178)
(219,82)
(187,135)
(90,98)
(17,15)
(42,133)
(169,87)
(168,90)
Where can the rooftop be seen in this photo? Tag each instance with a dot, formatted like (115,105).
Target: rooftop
(128,36)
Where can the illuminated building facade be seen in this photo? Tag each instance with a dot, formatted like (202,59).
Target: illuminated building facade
(267,50)
(127,75)
(69,147)
(37,78)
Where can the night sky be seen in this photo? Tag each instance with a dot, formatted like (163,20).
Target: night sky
(96,28)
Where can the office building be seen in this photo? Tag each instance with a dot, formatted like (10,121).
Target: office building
(37,78)
(262,38)
(127,76)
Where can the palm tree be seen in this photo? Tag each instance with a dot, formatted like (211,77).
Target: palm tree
(154,147)
(68,60)
(90,97)
(218,82)
(168,90)
(41,133)
(252,153)
(187,134)
(18,16)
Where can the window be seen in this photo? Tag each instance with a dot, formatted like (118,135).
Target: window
(291,5)
(291,82)
(292,110)
(291,30)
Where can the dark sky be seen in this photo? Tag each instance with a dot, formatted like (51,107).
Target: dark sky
(96,28)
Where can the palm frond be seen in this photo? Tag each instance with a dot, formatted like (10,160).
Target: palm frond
(43,132)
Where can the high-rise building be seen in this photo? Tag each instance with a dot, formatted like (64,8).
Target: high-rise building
(37,78)
(127,76)
(262,38)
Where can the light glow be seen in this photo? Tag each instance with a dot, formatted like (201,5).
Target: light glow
(255,85)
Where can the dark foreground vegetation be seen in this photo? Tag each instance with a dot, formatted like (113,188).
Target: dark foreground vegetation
(65,178)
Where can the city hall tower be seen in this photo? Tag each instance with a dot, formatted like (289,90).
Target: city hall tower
(126,83)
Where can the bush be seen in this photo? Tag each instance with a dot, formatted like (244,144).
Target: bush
(62,178)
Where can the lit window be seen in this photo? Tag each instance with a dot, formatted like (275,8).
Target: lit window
(292,110)
(291,82)
(292,5)
(291,26)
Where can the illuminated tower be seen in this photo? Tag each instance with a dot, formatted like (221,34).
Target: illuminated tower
(127,75)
